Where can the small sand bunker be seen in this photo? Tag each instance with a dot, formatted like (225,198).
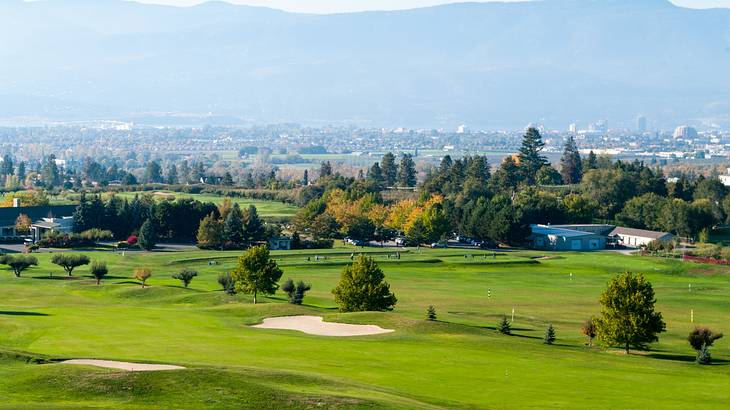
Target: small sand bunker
(314,325)
(132,367)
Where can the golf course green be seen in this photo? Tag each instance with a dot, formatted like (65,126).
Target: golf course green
(457,361)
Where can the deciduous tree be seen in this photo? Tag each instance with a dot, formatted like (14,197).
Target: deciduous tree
(69,261)
(362,287)
(256,273)
(627,317)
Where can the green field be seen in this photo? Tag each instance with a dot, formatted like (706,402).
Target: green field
(266,209)
(459,361)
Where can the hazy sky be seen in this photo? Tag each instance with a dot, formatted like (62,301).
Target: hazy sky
(334,6)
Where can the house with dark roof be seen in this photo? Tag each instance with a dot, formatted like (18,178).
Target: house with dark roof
(634,238)
(561,239)
(38,214)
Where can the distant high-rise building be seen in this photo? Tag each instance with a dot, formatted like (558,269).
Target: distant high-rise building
(641,124)
(598,126)
(462,129)
(573,128)
(685,132)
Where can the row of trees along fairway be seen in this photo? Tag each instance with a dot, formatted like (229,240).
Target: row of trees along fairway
(362,285)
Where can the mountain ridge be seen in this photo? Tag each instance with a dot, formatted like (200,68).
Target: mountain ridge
(472,63)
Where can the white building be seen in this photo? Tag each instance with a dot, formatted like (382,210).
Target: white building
(634,238)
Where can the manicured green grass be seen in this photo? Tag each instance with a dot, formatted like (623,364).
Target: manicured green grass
(460,361)
(264,208)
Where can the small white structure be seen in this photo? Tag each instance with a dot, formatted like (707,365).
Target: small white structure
(634,238)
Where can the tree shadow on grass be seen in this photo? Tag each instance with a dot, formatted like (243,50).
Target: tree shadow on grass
(59,277)
(16,313)
(685,358)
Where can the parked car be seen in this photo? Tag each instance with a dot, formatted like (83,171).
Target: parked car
(438,245)
(488,245)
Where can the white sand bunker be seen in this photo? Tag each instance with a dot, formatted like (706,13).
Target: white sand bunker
(132,367)
(314,325)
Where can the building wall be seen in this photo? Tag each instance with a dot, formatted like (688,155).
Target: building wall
(638,241)
(562,243)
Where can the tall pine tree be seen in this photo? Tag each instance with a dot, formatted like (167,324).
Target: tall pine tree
(530,158)
(389,168)
(407,171)
(571,166)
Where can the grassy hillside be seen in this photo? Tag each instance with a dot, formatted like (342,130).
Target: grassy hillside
(459,361)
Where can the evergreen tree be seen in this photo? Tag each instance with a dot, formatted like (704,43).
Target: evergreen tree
(431,313)
(571,166)
(98,271)
(153,173)
(362,287)
(295,291)
(210,232)
(375,174)
(504,326)
(253,227)
(549,335)
(530,157)
(305,179)
(50,174)
(21,173)
(389,168)
(407,171)
(325,169)
(184,172)
(7,165)
(227,179)
(147,238)
(256,273)
(627,314)
(172,177)
(226,281)
(591,161)
(233,226)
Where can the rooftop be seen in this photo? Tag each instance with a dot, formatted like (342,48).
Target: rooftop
(549,230)
(638,232)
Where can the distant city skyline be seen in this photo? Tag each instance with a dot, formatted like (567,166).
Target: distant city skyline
(342,6)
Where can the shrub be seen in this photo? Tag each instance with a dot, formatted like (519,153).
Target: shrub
(226,281)
(295,292)
(549,335)
(589,330)
(142,274)
(185,276)
(132,240)
(69,262)
(98,271)
(725,253)
(702,336)
(96,235)
(431,313)
(122,245)
(504,326)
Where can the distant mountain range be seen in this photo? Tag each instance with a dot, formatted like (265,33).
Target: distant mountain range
(489,65)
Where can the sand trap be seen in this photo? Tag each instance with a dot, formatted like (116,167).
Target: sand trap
(132,367)
(314,325)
